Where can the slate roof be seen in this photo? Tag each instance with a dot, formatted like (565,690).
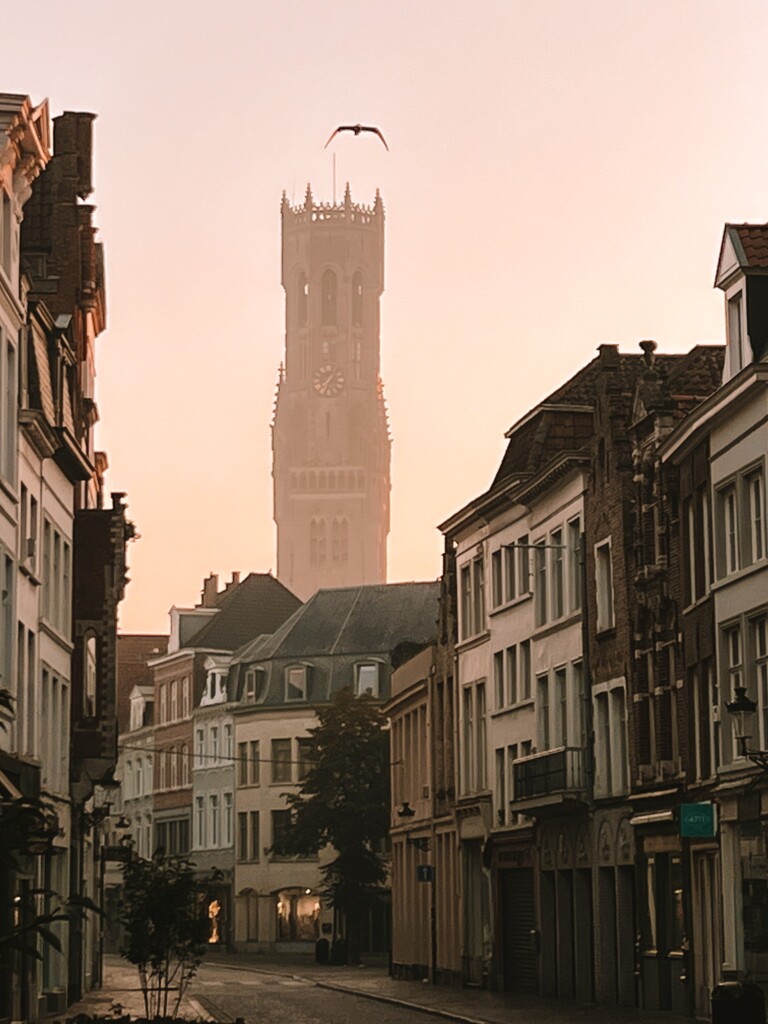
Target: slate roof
(352,620)
(553,427)
(258,604)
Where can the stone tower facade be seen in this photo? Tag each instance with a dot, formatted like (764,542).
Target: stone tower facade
(330,437)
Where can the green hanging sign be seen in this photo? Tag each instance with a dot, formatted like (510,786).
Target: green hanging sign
(698,821)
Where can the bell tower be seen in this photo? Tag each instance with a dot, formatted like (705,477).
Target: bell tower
(330,437)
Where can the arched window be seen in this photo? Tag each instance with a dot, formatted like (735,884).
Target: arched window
(317,541)
(302,299)
(174,768)
(185,765)
(357,300)
(340,540)
(328,310)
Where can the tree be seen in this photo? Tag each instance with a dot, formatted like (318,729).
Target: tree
(166,927)
(344,802)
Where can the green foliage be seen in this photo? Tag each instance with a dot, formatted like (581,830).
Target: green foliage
(344,802)
(166,927)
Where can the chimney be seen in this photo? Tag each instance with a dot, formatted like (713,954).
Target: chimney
(609,355)
(233,582)
(210,591)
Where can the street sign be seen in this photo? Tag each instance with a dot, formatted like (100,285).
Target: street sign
(698,821)
(425,872)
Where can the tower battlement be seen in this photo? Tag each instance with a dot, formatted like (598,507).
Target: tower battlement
(346,212)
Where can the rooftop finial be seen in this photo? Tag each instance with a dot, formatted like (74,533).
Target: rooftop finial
(648,348)
(308,197)
(347,196)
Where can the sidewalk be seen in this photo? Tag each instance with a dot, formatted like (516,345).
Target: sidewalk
(464,1006)
(120,995)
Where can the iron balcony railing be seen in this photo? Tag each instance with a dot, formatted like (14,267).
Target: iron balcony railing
(550,772)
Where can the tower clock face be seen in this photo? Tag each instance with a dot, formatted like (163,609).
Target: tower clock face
(328,381)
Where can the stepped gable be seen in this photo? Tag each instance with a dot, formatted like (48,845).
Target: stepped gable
(257,605)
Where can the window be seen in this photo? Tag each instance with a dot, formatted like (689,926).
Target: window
(473,726)
(734,661)
(498,679)
(706,709)
(6,621)
(199,748)
(610,742)
(340,540)
(478,594)
(8,407)
(760,654)
(756,504)
(604,574)
(228,742)
(579,737)
(560,709)
(162,757)
(185,779)
(367,679)
(296,682)
(254,762)
(213,808)
(253,820)
(524,568)
(501,788)
(185,697)
(57,579)
(540,572)
(558,574)
(575,582)
(163,705)
(542,712)
(254,685)
(317,535)
(174,766)
(511,667)
(305,758)
(242,764)
(328,306)
(466,601)
(174,713)
(280,822)
(525,670)
(357,299)
(89,676)
(242,835)
(734,332)
(199,822)
(139,777)
(302,299)
(227,831)
(510,580)
(497,580)
(731,528)
(281,761)
(214,746)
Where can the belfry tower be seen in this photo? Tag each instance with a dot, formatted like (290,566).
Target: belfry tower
(330,438)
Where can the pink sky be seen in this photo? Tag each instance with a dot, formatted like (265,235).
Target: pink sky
(559,174)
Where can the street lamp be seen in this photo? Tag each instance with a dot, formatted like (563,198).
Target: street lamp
(743,708)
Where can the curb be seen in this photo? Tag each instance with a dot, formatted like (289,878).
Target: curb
(378,997)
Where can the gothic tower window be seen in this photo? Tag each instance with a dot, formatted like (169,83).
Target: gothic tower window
(357,300)
(317,541)
(340,540)
(302,299)
(328,312)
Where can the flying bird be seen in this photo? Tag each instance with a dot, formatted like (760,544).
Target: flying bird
(356,128)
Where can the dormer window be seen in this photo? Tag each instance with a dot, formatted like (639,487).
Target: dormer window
(296,683)
(367,678)
(735,332)
(253,688)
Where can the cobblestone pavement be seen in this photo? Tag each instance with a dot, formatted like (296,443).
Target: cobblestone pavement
(297,991)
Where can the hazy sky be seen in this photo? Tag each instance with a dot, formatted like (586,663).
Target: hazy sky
(559,174)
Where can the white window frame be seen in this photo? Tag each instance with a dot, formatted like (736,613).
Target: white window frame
(369,686)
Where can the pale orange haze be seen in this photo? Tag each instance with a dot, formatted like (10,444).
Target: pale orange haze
(558,176)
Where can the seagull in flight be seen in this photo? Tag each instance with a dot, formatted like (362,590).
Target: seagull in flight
(356,128)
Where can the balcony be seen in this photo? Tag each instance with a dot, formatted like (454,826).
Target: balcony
(553,777)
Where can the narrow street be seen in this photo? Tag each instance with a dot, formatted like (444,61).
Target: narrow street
(260,998)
